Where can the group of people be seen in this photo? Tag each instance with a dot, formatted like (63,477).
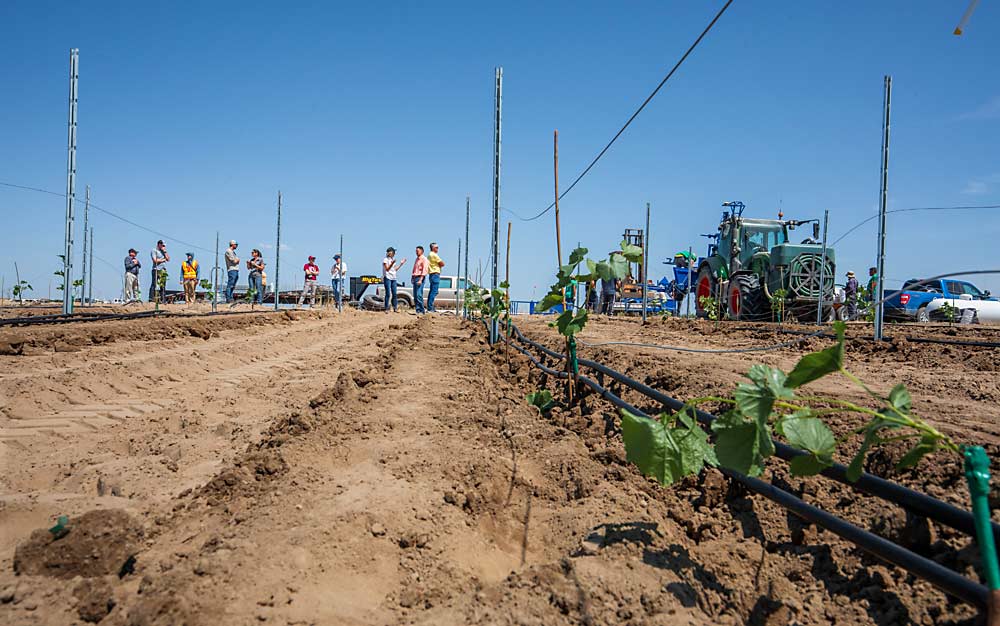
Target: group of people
(191,275)
(426,271)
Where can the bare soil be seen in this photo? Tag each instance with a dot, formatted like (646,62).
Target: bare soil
(362,468)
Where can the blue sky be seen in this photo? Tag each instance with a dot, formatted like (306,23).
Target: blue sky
(375,122)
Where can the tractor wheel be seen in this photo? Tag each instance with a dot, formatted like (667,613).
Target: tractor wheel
(704,287)
(746,298)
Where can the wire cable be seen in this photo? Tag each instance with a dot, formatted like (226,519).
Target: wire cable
(928,208)
(634,115)
(114,215)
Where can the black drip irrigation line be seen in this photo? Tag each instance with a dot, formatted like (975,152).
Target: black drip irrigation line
(947,342)
(945,579)
(104,317)
(909,499)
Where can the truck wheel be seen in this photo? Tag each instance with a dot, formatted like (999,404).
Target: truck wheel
(922,315)
(404,304)
(746,298)
(704,287)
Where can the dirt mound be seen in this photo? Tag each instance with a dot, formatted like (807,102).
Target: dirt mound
(96,543)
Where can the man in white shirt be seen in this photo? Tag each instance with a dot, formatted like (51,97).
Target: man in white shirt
(337,274)
(389,269)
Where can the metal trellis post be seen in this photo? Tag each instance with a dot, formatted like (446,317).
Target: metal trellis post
(277,258)
(74,73)
(86,216)
(343,264)
(215,276)
(495,233)
(822,269)
(90,279)
(879,308)
(645,265)
(465,285)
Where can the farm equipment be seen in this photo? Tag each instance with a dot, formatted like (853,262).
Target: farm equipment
(753,268)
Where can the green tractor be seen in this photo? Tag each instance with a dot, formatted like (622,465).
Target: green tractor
(753,267)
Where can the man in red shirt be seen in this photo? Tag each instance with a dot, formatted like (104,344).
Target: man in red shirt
(309,287)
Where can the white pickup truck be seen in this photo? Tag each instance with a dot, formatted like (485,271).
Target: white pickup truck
(447,297)
(965,310)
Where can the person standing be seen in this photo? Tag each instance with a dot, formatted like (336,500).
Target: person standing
(337,274)
(851,296)
(608,288)
(132,266)
(418,277)
(160,259)
(434,265)
(592,297)
(256,277)
(389,269)
(309,286)
(232,269)
(872,284)
(190,272)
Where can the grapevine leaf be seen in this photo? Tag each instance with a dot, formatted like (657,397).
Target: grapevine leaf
(578,255)
(630,252)
(569,324)
(810,434)
(816,365)
(772,379)
(550,301)
(737,444)
(604,270)
(541,399)
(504,285)
(926,445)
(566,274)
(693,442)
(618,265)
(592,268)
(808,465)
(647,445)
(899,397)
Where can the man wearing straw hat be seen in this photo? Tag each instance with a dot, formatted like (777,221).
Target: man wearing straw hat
(851,296)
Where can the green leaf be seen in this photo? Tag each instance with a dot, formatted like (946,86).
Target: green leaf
(899,397)
(592,269)
(926,445)
(541,399)
(504,285)
(618,265)
(856,466)
(666,453)
(810,434)
(816,365)
(549,301)
(577,255)
(772,379)
(737,444)
(604,270)
(808,465)
(569,324)
(630,252)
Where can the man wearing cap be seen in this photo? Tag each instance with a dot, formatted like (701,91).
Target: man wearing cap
(872,283)
(389,268)
(309,286)
(434,265)
(160,259)
(190,272)
(232,270)
(417,279)
(851,296)
(337,274)
(132,266)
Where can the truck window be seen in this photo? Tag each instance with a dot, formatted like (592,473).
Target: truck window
(970,289)
(955,288)
(445,283)
(462,284)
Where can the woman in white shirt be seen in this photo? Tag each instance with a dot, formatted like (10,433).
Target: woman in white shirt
(389,269)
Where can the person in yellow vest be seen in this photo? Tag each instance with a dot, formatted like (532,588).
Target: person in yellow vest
(190,272)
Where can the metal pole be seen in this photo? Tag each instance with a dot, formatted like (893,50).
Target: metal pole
(555,172)
(90,279)
(645,265)
(74,73)
(690,270)
(343,264)
(465,311)
(86,216)
(822,269)
(495,234)
(879,310)
(215,275)
(277,258)
(458,288)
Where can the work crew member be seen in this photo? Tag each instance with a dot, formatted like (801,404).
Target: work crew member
(256,277)
(232,270)
(872,283)
(160,259)
(389,268)
(851,296)
(434,265)
(608,287)
(417,278)
(337,274)
(132,266)
(190,272)
(309,285)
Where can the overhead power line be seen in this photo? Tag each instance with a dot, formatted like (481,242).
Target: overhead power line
(634,115)
(114,215)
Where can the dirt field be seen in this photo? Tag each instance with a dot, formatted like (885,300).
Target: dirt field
(361,468)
